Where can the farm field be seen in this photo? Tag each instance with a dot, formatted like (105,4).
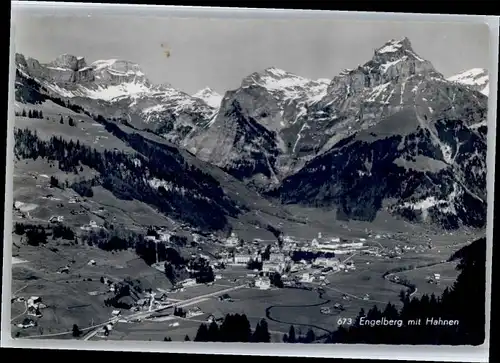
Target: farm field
(84,293)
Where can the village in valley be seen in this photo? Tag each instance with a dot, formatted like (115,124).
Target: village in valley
(218,276)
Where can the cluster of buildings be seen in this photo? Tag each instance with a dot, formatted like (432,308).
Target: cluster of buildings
(434,278)
(56,219)
(91,226)
(34,306)
(163,236)
(152,301)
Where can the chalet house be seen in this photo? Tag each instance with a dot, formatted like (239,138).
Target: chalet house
(338,306)
(273,267)
(325,310)
(326,262)
(306,277)
(64,269)
(27,323)
(263,284)
(277,257)
(189,282)
(242,259)
(34,311)
(34,300)
(56,219)
(196,311)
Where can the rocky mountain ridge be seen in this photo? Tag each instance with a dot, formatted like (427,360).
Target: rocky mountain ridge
(390,134)
(121,90)
(405,140)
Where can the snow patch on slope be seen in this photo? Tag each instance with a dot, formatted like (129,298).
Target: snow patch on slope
(476,78)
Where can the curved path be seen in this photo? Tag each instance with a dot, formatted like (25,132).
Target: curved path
(268,314)
(24,312)
(388,275)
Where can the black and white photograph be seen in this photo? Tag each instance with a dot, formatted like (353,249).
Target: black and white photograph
(199,179)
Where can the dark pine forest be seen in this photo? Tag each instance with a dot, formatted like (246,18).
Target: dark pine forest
(191,195)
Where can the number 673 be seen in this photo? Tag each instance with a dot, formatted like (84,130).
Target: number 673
(344,321)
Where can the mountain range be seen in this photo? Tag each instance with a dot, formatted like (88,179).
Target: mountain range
(391,134)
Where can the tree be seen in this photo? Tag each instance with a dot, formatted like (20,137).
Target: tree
(266,254)
(213,332)
(167,339)
(54,183)
(276,280)
(76,331)
(24,113)
(254,265)
(179,312)
(291,335)
(19,228)
(61,120)
(261,333)
(186,338)
(202,334)
(30,114)
(170,272)
(70,121)
(35,237)
(310,336)
(235,328)
(102,280)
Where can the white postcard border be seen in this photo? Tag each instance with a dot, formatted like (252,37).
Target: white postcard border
(398,352)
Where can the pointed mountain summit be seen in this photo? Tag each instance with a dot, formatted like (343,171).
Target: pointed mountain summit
(249,136)
(394,135)
(395,80)
(286,86)
(475,78)
(209,96)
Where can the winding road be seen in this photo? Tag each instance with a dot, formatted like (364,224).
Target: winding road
(320,295)
(268,310)
(24,312)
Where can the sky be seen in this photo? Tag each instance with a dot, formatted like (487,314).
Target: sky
(219,53)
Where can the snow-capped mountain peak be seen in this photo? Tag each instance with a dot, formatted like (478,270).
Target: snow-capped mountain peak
(121,86)
(209,96)
(399,52)
(393,46)
(287,86)
(476,78)
(118,68)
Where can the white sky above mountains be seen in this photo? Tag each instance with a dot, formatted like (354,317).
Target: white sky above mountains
(219,53)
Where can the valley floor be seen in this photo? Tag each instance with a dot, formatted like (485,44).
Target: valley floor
(76,296)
